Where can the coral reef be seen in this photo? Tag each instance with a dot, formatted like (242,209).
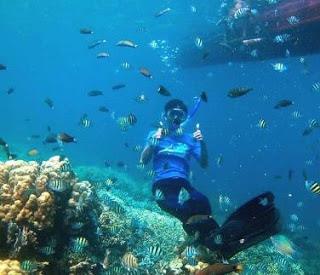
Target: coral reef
(10,267)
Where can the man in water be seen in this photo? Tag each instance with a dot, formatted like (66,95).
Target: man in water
(171,150)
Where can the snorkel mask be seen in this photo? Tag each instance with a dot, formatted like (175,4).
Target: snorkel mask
(176,116)
(175,112)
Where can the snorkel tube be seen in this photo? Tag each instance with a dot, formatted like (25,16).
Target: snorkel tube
(195,108)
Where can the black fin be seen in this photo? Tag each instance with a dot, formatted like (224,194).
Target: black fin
(253,222)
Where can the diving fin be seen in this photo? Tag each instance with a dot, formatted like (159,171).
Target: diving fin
(253,222)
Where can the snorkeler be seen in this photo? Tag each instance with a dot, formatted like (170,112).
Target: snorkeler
(171,150)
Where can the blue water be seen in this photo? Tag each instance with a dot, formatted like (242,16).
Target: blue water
(46,56)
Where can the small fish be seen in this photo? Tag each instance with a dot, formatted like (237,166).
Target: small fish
(116,207)
(204,97)
(141,166)
(64,137)
(315,87)
(78,244)
(10,91)
(86,31)
(129,261)
(141,98)
(163,91)
(313,186)
(218,239)
(137,148)
(241,12)
(145,72)
(47,250)
(159,196)
(307,131)
(28,266)
(280,67)
(95,93)
(102,55)
(314,123)
(262,123)
(33,152)
(237,92)
(77,225)
(118,86)
(129,120)
(155,251)
(294,217)
(151,173)
(126,43)
(198,218)
(282,38)
(283,103)
(198,42)
(126,65)
(296,114)
(220,269)
(3,143)
(65,167)
(57,185)
(110,181)
(51,138)
(193,9)
(103,109)
(293,20)
(96,43)
(49,102)
(2,67)
(285,247)
(85,121)
(219,161)
(183,196)
(162,12)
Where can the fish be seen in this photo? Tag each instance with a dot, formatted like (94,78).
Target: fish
(162,12)
(10,91)
(293,20)
(183,196)
(120,164)
(85,121)
(129,120)
(2,67)
(86,31)
(49,102)
(129,261)
(3,143)
(126,43)
(64,137)
(282,38)
(307,131)
(198,42)
(141,98)
(262,123)
(151,173)
(204,97)
(33,152)
(110,181)
(283,103)
(96,43)
(137,148)
(77,245)
(95,93)
(145,72)
(102,55)
(241,12)
(290,173)
(118,86)
(219,161)
(116,207)
(198,218)
(163,91)
(285,247)
(159,196)
(240,91)
(66,167)
(57,185)
(28,266)
(314,123)
(47,250)
(315,87)
(103,109)
(296,114)
(280,67)
(313,186)
(126,65)
(51,138)
(220,269)
(155,251)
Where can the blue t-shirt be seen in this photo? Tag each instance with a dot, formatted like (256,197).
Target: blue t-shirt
(172,155)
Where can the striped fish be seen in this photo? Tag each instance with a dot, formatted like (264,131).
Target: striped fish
(313,186)
(159,196)
(183,196)
(66,167)
(155,251)
(57,185)
(129,261)
(47,250)
(78,244)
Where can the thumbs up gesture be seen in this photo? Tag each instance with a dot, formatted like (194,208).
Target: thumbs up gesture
(197,134)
